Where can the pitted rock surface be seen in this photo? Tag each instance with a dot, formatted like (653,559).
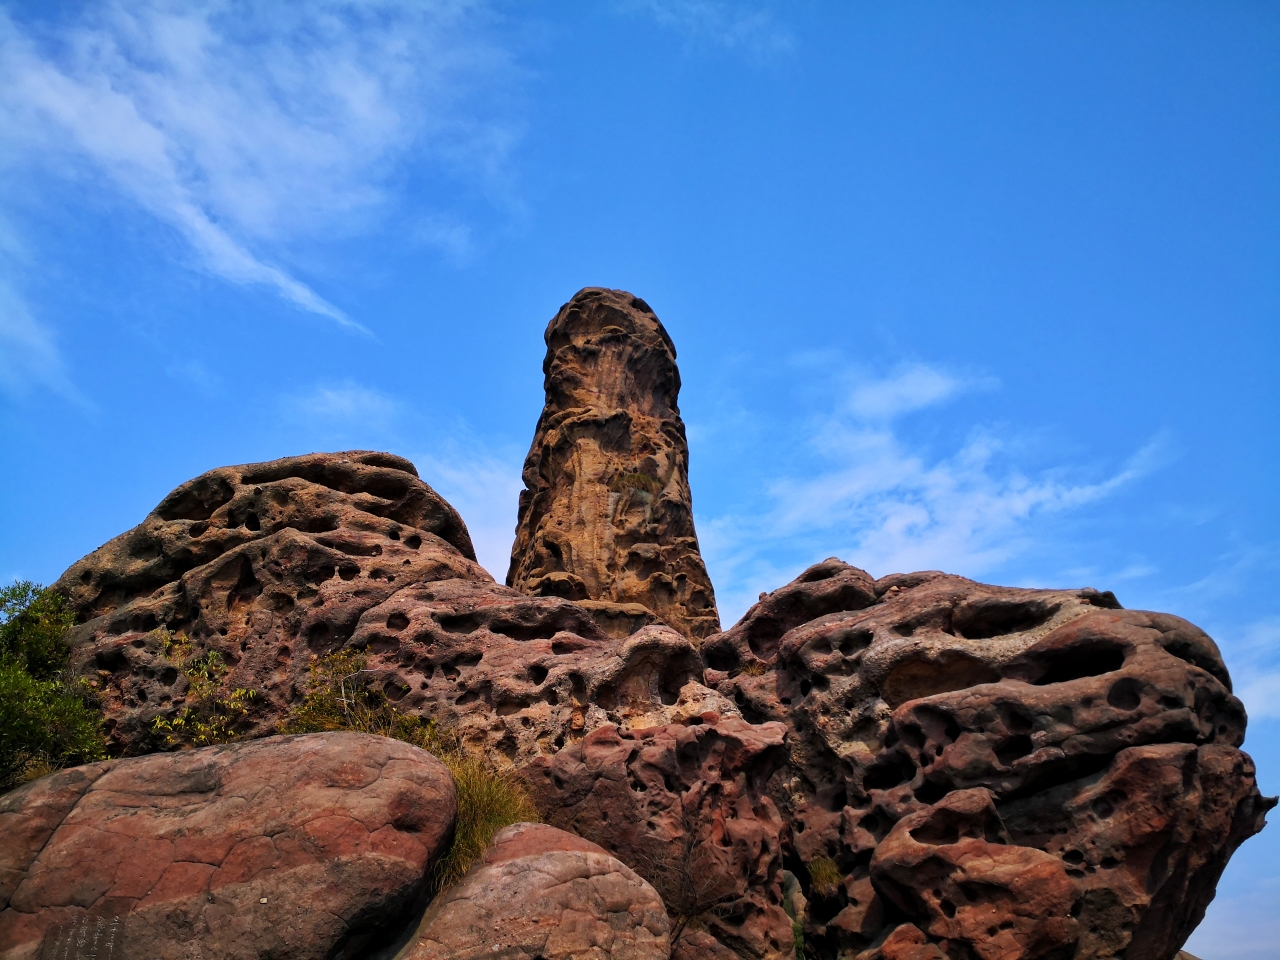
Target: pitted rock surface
(264,563)
(288,847)
(686,806)
(606,514)
(543,894)
(1085,756)
(520,677)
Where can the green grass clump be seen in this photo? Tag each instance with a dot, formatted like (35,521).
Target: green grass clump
(487,802)
(341,696)
(48,717)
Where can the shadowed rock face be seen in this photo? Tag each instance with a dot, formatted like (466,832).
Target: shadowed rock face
(994,772)
(606,515)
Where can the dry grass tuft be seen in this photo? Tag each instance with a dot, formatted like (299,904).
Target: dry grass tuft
(343,695)
(825,876)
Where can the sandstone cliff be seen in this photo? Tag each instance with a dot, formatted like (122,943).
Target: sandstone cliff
(606,515)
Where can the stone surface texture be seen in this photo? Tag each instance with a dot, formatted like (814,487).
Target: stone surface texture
(606,514)
(686,806)
(947,769)
(287,847)
(264,563)
(544,894)
(994,772)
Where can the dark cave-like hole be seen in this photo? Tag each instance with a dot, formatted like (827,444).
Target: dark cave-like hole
(888,773)
(1091,660)
(1013,748)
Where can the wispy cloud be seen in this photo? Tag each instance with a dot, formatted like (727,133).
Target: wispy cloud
(912,388)
(484,487)
(29,355)
(245,126)
(1254,657)
(338,409)
(751,27)
(874,500)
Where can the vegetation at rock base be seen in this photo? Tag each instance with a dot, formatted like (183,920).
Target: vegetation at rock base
(342,695)
(209,713)
(48,717)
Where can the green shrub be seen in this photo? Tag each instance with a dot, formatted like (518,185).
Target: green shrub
(209,713)
(341,697)
(48,717)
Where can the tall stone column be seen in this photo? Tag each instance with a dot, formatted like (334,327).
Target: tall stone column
(606,515)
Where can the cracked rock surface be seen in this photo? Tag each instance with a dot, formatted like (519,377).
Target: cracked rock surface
(313,846)
(544,894)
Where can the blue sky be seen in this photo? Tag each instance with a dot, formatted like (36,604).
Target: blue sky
(985,287)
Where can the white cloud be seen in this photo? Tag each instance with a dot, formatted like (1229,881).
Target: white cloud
(29,355)
(732,24)
(342,408)
(484,487)
(876,502)
(245,126)
(1255,658)
(911,388)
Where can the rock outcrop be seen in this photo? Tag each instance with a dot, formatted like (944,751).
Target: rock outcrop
(606,515)
(290,847)
(686,806)
(302,557)
(994,772)
(543,894)
(263,564)
(934,768)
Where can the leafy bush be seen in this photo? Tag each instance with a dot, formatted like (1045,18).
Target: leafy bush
(48,717)
(341,696)
(209,714)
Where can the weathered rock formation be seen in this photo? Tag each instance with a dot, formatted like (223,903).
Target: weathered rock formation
(305,556)
(264,564)
(543,894)
(947,769)
(606,514)
(1007,773)
(289,847)
(686,806)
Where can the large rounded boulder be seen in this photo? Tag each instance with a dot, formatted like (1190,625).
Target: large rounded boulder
(294,848)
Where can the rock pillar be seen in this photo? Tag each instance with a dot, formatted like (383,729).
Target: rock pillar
(606,515)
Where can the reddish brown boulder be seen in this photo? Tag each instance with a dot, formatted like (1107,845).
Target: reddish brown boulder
(289,847)
(265,564)
(542,893)
(606,514)
(1102,739)
(685,806)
